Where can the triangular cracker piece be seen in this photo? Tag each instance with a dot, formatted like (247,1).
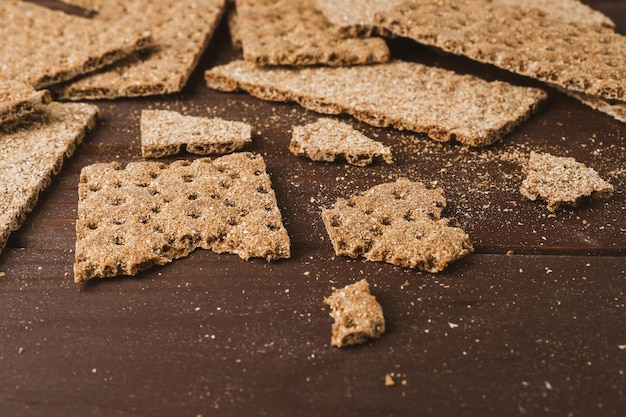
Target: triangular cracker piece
(151,213)
(163,133)
(399,223)
(32,151)
(440,103)
(562,180)
(42,47)
(18,99)
(327,139)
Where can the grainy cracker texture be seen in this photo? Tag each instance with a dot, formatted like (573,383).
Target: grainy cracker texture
(440,103)
(399,223)
(356,313)
(151,213)
(164,132)
(32,151)
(18,99)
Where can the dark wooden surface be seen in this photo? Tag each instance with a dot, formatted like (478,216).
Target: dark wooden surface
(538,331)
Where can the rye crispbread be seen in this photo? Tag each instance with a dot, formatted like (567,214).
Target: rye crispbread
(327,139)
(562,181)
(357,315)
(399,223)
(32,151)
(150,213)
(284,32)
(440,103)
(576,56)
(43,47)
(164,132)
(18,99)
(181,31)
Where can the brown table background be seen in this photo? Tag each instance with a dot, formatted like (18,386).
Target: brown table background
(539,331)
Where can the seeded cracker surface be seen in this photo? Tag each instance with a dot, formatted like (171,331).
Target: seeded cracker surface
(356,313)
(181,29)
(42,47)
(287,32)
(18,99)
(399,223)
(163,133)
(31,152)
(150,214)
(562,180)
(405,95)
(326,139)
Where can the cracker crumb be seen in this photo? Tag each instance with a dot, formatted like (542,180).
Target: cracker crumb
(389,381)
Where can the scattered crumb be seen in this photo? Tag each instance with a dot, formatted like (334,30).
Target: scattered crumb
(389,382)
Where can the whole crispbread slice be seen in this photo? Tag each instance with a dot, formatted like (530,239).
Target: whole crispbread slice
(398,223)
(151,213)
(287,32)
(181,30)
(326,139)
(42,47)
(576,56)
(18,99)
(32,151)
(405,95)
(562,180)
(163,133)
(356,313)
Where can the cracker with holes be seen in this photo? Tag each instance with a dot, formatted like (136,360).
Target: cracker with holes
(326,139)
(18,99)
(562,181)
(399,223)
(356,313)
(164,132)
(151,213)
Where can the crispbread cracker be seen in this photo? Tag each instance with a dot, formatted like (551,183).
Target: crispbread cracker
(32,152)
(575,56)
(18,99)
(356,313)
(399,223)
(181,29)
(562,180)
(42,47)
(287,32)
(163,133)
(405,95)
(151,213)
(326,139)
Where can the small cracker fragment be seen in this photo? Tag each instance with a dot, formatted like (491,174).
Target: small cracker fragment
(562,180)
(151,213)
(18,99)
(399,223)
(287,32)
(42,47)
(327,138)
(356,313)
(32,151)
(406,95)
(163,133)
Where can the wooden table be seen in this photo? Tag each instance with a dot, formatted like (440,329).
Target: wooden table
(532,323)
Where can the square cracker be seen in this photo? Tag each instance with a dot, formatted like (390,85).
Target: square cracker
(181,30)
(32,151)
(18,99)
(287,32)
(42,47)
(440,103)
(151,213)
(163,133)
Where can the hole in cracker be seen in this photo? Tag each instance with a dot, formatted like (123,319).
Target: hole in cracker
(153,175)
(272,227)
(231,221)
(350,203)
(142,184)
(431,216)
(94,187)
(92,225)
(193,196)
(342,245)
(375,230)
(165,248)
(118,222)
(155,209)
(224,184)
(215,196)
(268,207)
(408,216)
(193,214)
(143,219)
(385,221)
(261,189)
(398,195)
(116,200)
(185,163)
(117,184)
(257,173)
(118,240)
(229,203)
(335,221)
(153,191)
(187,178)
(368,212)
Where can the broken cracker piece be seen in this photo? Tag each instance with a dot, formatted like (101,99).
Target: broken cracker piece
(399,223)
(356,313)
(151,213)
(164,132)
(326,139)
(562,180)
(18,99)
